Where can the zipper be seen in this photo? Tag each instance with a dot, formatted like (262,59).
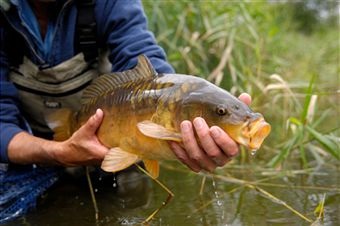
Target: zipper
(60,16)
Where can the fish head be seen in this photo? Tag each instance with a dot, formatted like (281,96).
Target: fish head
(218,107)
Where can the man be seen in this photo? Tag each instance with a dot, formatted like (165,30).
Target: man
(38,53)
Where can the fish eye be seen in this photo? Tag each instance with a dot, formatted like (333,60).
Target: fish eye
(221,110)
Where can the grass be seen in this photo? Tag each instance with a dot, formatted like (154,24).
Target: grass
(255,47)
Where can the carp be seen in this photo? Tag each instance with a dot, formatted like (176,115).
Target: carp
(143,110)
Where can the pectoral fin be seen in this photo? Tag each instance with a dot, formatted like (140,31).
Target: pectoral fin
(117,159)
(152,166)
(151,129)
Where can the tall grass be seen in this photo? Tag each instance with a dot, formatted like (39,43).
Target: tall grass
(253,47)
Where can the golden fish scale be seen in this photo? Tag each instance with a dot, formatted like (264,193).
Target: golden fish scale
(135,102)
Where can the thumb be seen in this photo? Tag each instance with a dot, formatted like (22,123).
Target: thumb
(94,121)
(245,98)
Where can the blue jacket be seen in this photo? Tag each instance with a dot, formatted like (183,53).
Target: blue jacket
(121,26)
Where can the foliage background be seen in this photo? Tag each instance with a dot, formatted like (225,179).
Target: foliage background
(284,53)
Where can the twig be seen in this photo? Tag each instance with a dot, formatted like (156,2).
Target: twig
(168,199)
(217,72)
(93,197)
(202,184)
(244,182)
(272,197)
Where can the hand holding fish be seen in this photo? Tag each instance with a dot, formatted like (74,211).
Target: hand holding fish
(215,148)
(83,147)
(145,111)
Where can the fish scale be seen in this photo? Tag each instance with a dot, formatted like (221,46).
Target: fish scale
(143,111)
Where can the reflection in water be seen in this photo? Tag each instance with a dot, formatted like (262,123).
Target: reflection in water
(119,193)
(129,188)
(119,196)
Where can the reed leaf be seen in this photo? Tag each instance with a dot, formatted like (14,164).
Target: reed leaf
(320,209)
(331,147)
(307,103)
(248,48)
(284,153)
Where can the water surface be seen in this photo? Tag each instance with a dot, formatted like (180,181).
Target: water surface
(224,200)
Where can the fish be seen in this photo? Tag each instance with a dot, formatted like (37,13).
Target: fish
(143,110)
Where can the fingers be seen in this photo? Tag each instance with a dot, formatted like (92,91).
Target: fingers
(94,121)
(245,98)
(91,127)
(207,142)
(193,149)
(84,147)
(183,157)
(229,147)
(212,148)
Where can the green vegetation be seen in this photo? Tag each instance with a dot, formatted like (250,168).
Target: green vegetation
(286,55)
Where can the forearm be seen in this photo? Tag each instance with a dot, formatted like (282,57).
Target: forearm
(82,148)
(27,149)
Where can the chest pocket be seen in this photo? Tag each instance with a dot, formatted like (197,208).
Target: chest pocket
(43,91)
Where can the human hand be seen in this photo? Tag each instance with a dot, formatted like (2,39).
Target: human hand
(215,147)
(83,147)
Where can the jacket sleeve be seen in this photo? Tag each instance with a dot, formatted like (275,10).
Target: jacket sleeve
(122,27)
(11,121)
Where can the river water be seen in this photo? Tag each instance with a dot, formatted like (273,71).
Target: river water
(229,196)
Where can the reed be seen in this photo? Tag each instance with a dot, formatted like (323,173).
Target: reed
(255,47)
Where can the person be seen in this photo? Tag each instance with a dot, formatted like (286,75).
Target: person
(38,51)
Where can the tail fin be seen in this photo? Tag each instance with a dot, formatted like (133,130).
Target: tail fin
(61,122)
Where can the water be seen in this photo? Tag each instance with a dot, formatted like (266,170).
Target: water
(224,201)
(253,152)
(219,198)
(114,181)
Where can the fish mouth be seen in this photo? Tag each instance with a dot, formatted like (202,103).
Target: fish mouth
(258,131)
(250,134)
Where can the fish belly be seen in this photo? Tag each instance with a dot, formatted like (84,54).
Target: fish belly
(119,129)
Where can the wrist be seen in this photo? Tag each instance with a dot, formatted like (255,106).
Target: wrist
(52,151)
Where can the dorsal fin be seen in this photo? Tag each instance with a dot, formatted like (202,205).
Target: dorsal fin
(108,82)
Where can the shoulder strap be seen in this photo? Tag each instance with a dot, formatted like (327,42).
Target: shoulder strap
(86,30)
